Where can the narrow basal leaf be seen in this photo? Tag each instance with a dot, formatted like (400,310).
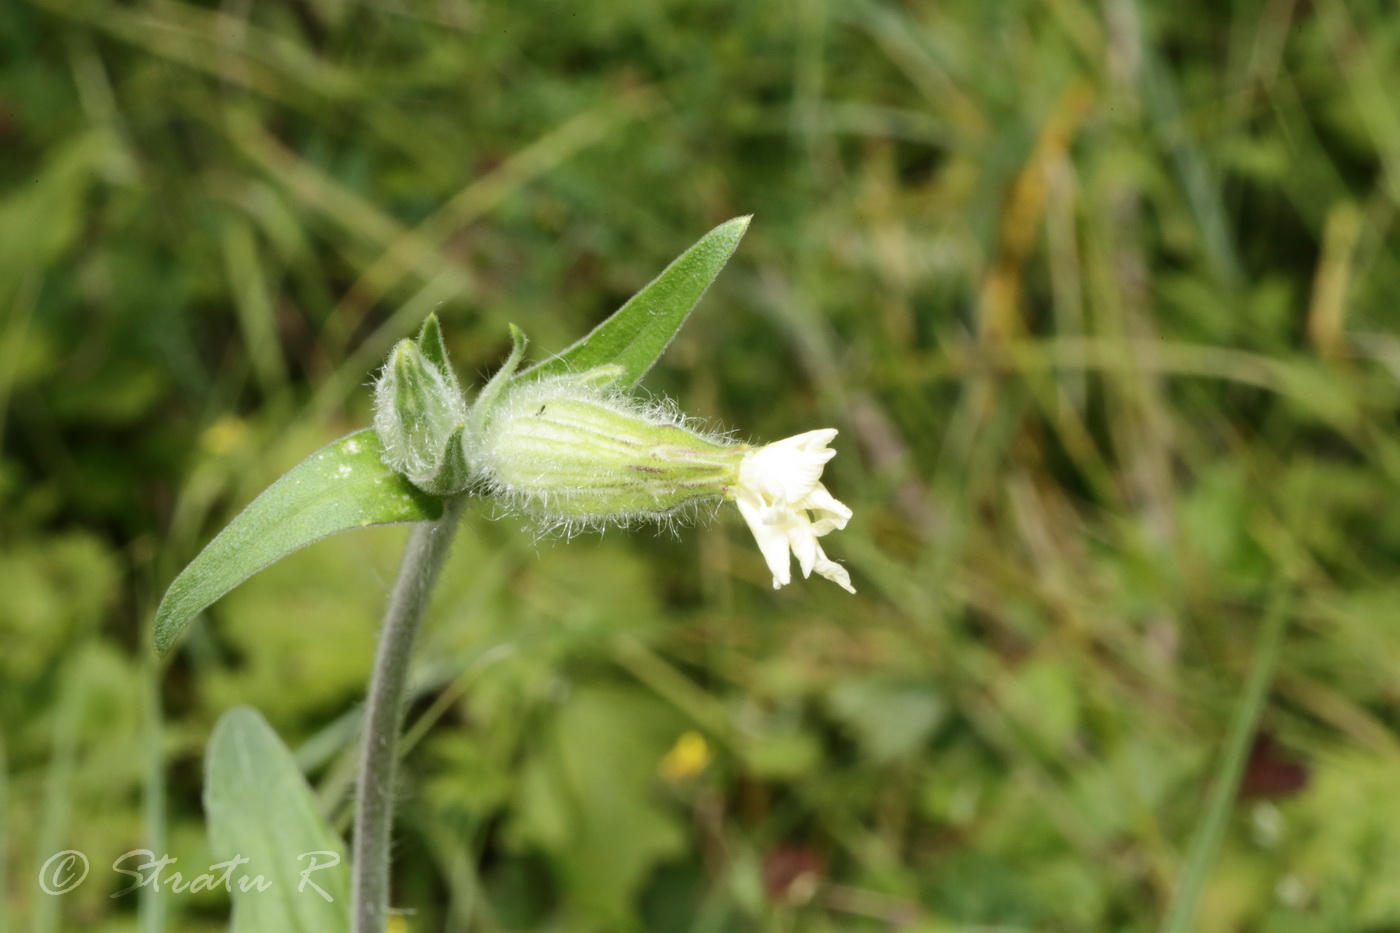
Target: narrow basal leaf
(638,332)
(341,486)
(261,812)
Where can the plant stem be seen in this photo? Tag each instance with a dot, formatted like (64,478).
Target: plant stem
(423,558)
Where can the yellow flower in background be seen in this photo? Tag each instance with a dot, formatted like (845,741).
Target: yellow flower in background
(687,758)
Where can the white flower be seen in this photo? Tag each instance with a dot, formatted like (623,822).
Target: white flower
(781,497)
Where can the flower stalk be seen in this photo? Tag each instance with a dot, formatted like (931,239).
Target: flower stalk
(428,546)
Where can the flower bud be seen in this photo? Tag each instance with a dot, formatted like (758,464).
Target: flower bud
(420,414)
(572,452)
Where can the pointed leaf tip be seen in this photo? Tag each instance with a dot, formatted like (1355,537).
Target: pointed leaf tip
(434,348)
(636,335)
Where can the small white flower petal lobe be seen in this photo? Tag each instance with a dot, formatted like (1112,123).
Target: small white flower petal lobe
(804,547)
(830,514)
(817,439)
(821,498)
(836,574)
(771,540)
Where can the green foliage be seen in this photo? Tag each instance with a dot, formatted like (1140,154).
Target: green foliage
(261,809)
(636,335)
(420,418)
(343,485)
(56,589)
(325,656)
(1101,297)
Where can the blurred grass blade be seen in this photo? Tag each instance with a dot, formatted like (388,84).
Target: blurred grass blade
(4,830)
(253,299)
(151,908)
(1210,831)
(66,736)
(639,332)
(343,485)
(260,808)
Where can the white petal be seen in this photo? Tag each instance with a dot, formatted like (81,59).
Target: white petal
(835,573)
(780,495)
(748,497)
(771,540)
(831,513)
(777,516)
(821,437)
(787,470)
(804,546)
(821,498)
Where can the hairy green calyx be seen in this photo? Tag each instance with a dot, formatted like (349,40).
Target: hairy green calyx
(421,416)
(572,452)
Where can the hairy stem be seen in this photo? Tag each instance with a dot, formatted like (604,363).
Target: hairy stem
(427,549)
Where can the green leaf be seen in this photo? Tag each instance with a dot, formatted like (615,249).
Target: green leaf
(341,486)
(639,332)
(260,808)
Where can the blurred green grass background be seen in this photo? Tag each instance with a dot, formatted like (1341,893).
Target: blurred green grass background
(1100,295)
